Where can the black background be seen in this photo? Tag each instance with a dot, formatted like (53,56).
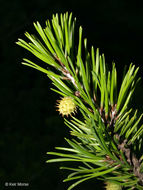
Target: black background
(29,124)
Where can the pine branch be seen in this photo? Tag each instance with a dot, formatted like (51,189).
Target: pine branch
(108,136)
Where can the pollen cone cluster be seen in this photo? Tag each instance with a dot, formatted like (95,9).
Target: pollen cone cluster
(66,106)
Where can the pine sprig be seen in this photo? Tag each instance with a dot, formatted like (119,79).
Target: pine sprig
(106,140)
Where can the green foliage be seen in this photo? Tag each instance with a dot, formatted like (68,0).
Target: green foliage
(107,141)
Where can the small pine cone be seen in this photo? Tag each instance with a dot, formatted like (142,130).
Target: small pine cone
(66,106)
(112,186)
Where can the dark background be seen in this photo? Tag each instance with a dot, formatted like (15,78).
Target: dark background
(29,124)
